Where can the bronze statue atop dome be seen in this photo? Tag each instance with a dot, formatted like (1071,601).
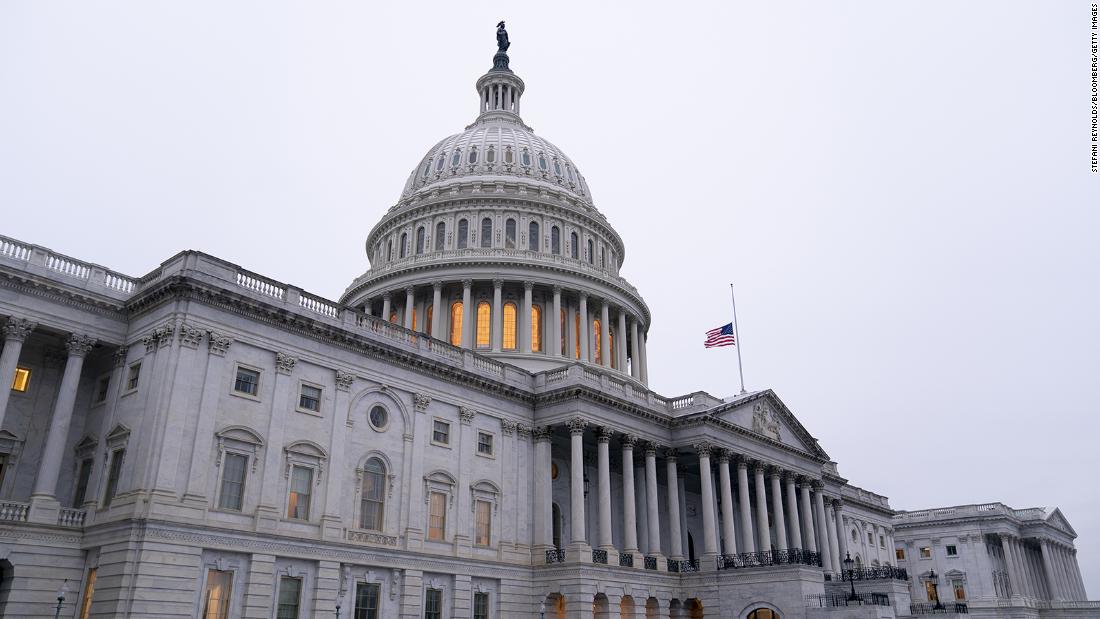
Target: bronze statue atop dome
(502,38)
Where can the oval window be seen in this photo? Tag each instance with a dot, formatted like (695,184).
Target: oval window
(378,417)
(525,158)
(490,155)
(439,163)
(456,159)
(508,156)
(473,156)
(542,162)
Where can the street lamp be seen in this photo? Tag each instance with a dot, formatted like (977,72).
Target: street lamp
(61,591)
(338,610)
(935,590)
(542,609)
(848,563)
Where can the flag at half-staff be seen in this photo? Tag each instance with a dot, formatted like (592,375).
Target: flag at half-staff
(722,336)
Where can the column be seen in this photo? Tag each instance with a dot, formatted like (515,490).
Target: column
(728,533)
(467,314)
(437,310)
(1077,574)
(1048,570)
(630,526)
(652,510)
(792,511)
(554,345)
(635,365)
(645,367)
(1010,562)
(331,519)
(582,333)
(1025,567)
(576,486)
(822,531)
(834,543)
(841,542)
(675,542)
(45,484)
(808,537)
(747,543)
(525,319)
(763,533)
(367,309)
(498,315)
(387,301)
(605,336)
(710,542)
(620,343)
(777,510)
(603,464)
(543,536)
(209,393)
(410,306)
(16,331)
(1063,572)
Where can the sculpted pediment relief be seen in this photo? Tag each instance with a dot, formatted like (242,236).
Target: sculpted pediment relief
(765,415)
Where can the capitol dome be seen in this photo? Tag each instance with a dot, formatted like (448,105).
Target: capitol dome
(496,228)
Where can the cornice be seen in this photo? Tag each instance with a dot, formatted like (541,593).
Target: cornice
(56,292)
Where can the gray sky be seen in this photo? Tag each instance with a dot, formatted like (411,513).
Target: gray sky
(902,196)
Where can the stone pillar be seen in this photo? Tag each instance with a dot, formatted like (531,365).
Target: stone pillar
(410,306)
(1061,568)
(554,345)
(1010,563)
(498,315)
(747,542)
(1025,567)
(675,542)
(635,365)
(630,525)
(437,310)
(808,537)
(525,319)
(586,326)
(728,532)
(834,543)
(467,314)
(44,504)
(331,519)
(710,541)
(763,533)
(272,505)
(842,543)
(652,509)
(620,345)
(211,390)
(645,367)
(543,536)
(387,301)
(15,333)
(603,465)
(792,511)
(1077,574)
(777,510)
(822,533)
(576,485)
(605,336)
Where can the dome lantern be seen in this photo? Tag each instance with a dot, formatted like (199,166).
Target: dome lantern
(500,89)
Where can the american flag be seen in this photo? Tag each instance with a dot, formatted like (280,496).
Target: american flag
(722,336)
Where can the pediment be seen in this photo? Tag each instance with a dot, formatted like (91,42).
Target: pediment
(1058,520)
(764,414)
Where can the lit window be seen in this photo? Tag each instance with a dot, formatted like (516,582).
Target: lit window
(428,326)
(596,343)
(899,554)
(484,523)
(577,335)
(958,585)
(486,232)
(509,326)
(510,234)
(437,516)
(234,467)
(420,240)
(952,550)
(481,605)
(574,249)
(89,591)
(247,382)
(414,320)
(219,588)
(485,443)
(290,597)
(404,245)
(763,613)
(301,481)
(133,377)
(925,552)
(441,432)
(440,235)
(393,317)
(113,472)
(484,326)
(83,475)
(456,324)
(21,380)
(555,241)
(463,233)
(102,389)
(378,417)
(536,328)
(309,398)
(373,501)
(366,600)
(533,236)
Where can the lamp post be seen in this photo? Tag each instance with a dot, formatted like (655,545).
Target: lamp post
(61,591)
(542,609)
(337,610)
(935,590)
(848,563)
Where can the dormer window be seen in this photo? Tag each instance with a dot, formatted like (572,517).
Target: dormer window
(509,156)
(440,162)
(542,161)
(472,158)
(456,158)
(525,158)
(490,155)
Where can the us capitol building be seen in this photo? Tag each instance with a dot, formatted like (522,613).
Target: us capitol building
(467,433)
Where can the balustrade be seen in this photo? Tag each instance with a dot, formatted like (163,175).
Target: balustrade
(599,556)
(556,555)
(791,556)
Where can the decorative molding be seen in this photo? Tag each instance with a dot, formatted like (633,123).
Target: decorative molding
(344,380)
(576,425)
(17,329)
(284,363)
(703,448)
(671,454)
(651,449)
(604,434)
(190,336)
(507,428)
(163,335)
(218,344)
(540,433)
(724,456)
(523,431)
(466,415)
(79,345)
(120,356)
(765,421)
(628,441)
(421,402)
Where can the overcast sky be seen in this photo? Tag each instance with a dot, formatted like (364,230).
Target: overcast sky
(902,197)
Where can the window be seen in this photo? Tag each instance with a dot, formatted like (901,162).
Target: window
(133,377)
(472,158)
(603,258)
(481,605)
(577,334)
(485,443)
(762,613)
(483,523)
(378,417)
(561,332)
(441,432)
(437,516)
(393,317)
(439,163)
(428,321)
(533,236)
(591,254)
(569,172)
(463,233)
(389,250)
(536,328)
(596,343)
(21,380)
(899,554)
(882,541)
(301,480)
(573,247)
(234,466)
(484,325)
(456,158)
(925,552)
(509,326)
(542,161)
(870,538)
(102,388)
(113,472)
(490,155)
(89,591)
(930,590)
(219,588)
(456,324)
(427,167)
(555,241)
(952,550)
(247,382)
(525,158)
(509,157)
(373,501)
(486,232)
(403,248)
(509,234)
(557,167)
(309,398)
(290,597)
(366,600)
(440,235)
(82,477)
(958,585)
(855,537)
(611,347)
(420,240)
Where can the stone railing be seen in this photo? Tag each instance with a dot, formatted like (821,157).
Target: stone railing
(962,511)
(626,559)
(791,556)
(599,556)
(13,511)
(69,517)
(884,572)
(555,555)
(91,277)
(859,494)
(684,566)
(370,537)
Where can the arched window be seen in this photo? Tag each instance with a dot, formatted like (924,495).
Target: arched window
(762,613)
(555,241)
(429,325)
(420,240)
(472,158)
(533,236)
(456,324)
(542,161)
(509,326)
(484,315)
(404,244)
(591,254)
(603,258)
(510,233)
(574,248)
(597,349)
(463,233)
(440,235)
(536,328)
(486,232)
(373,500)
(389,250)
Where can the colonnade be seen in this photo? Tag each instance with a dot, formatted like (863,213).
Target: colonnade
(1044,569)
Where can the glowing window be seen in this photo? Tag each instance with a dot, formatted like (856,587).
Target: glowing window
(486,232)
(437,516)
(509,326)
(301,487)
(598,357)
(577,335)
(22,379)
(219,587)
(899,554)
(456,324)
(440,235)
(429,325)
(463,233)
(510,234)
(414,321)
(763,613)
(536,328)
(484,315)
(555,240)
(533,236)
(611,345)
(393,317)
(484,520)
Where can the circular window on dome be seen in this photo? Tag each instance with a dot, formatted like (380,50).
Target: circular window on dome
(378,417)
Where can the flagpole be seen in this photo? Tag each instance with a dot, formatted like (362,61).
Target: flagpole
(737,341)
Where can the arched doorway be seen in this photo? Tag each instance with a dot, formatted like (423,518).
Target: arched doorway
(555,606)
(601,608)
(693,609)
(626,608)
(761,613)
(652,609)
